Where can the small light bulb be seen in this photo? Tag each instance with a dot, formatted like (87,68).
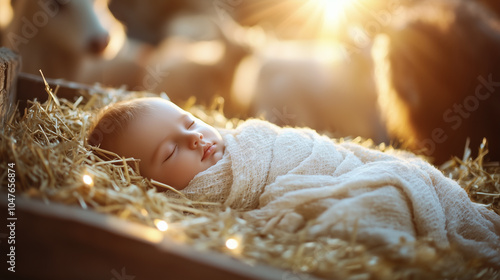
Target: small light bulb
(161,225)
(232,243)
(88,180)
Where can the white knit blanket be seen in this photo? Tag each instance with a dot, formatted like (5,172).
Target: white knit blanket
(289,178)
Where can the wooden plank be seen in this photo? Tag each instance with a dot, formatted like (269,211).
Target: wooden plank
(64,242)
(31,87)
(9,69)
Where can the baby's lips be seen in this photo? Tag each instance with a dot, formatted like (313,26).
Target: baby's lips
(206,149)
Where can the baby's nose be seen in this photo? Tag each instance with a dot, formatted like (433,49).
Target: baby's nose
(195,139)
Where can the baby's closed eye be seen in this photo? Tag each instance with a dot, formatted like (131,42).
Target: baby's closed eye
(170,154)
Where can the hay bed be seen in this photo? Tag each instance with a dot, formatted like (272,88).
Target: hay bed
(48,147)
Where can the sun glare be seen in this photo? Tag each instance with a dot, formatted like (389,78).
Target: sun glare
(334,8)
(334,12)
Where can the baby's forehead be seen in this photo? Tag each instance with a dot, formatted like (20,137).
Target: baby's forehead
(159,104)
(160,111)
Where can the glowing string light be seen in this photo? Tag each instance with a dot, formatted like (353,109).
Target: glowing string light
(88,180)
(161,225)
(232,243)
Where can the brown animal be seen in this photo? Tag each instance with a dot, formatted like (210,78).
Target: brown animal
(149,20)
(438,77)
(307,83)
(494,5)
(57,35)
(82,41)
(203,69)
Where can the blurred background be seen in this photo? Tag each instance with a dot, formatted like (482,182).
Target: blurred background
(404,72)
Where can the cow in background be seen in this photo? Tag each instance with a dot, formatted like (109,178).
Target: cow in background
(306,83)
(82,41)
(494,5)
(150,20)
(181,65)
(57,35)
(438,77)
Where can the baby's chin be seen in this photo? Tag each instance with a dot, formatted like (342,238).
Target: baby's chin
(219,153)
(215,158)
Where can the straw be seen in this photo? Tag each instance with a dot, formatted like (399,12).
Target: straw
(47,145)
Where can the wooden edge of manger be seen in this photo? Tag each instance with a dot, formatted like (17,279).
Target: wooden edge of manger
(56,241)
(30,87)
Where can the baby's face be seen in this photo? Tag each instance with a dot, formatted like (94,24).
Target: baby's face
(172,145)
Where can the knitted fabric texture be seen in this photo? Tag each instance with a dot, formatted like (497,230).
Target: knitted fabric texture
(288,178)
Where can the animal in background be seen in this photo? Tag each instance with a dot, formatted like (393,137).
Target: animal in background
(203,69)
(196,48)
(149,20)
(69,40)
(57,35)
(306,83)
(181,66)
(438,78)
(494,5)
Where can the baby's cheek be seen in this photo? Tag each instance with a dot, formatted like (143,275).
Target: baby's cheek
(218,156)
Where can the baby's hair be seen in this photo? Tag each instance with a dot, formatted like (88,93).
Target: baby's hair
(112,121)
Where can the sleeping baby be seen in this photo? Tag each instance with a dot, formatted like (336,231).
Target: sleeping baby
(294,178)
(172,145)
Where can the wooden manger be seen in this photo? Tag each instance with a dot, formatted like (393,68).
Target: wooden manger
(62,242)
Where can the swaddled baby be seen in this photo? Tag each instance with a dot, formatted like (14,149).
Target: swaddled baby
(294,178)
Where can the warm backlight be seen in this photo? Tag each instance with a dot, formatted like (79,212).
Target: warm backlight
(334,11)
